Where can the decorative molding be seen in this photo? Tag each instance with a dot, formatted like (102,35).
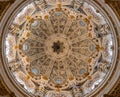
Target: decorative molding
(115,5)
(4,91)
(116,90)
(4,5)
(106,95)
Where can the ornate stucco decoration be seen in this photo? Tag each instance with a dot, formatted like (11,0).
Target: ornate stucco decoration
(59,48)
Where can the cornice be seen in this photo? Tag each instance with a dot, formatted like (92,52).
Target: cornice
(115,5)
(116,91)
(4,90)
(4,5)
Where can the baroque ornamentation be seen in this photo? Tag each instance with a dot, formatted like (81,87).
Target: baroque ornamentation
(59,49)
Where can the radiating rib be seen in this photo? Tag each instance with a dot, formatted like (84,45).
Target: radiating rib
(36,38)
(80,38)
(43,31)
(69,73)
(58,26)
(79,56)
(44,61)
(49,25)
(50,68)
(36,56)
(77,47)
(67,26)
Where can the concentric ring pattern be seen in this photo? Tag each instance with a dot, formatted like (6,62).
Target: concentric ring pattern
(59,48)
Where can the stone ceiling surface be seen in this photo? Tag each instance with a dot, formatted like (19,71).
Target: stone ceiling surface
(56,49)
